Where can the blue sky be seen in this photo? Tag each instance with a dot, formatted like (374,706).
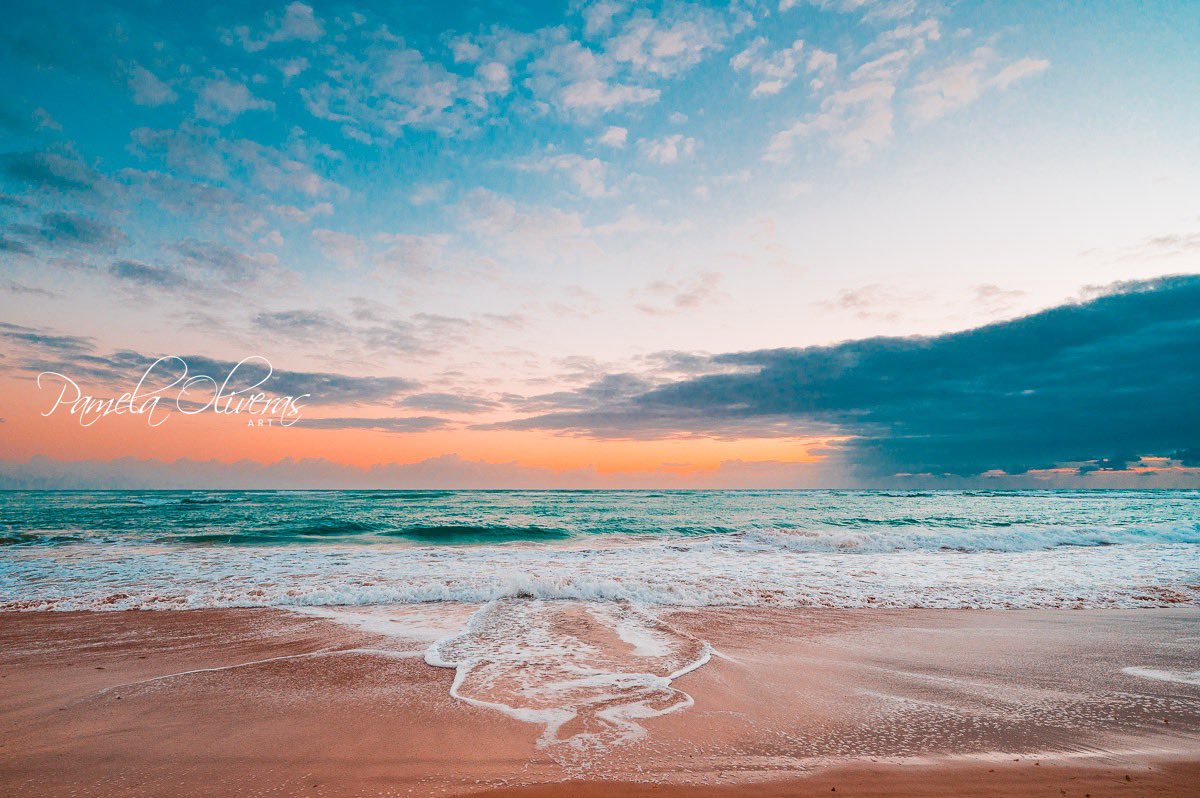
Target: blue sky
(502,201)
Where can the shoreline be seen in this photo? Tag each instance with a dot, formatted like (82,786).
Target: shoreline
(220,702)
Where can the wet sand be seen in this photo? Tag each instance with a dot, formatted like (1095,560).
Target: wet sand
(793,702)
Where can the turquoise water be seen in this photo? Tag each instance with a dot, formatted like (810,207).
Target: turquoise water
(844,520)
(185,549)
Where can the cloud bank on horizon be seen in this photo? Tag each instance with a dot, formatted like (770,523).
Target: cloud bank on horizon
(1102,384)
(500,244)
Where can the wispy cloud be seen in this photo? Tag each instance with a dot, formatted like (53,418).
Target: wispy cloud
(664,297)
(945,89)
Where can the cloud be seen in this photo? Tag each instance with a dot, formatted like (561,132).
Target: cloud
(399,424)
(371,331)
(587,174)
(872,301)
(297,23)
(409,254)
(299,215)
(222,100)
(994,300)
(663,298)
(429,193)
(13,246)
(668,149)
(377,84)
(633,51)
(378,87)
(43,341)
(44,120)
(200,272)
(448,403)
(49,170)
(61,230)
(870,9)
(391,253)
(943,90)
(1074,384)
(776,70)
(343,249)
(596,95)
(36,350)
(584,82)
(493,215)
(670,42)
(206,153)
(148,89)
(13,287)
(1018,70)
(595,394)
(614,136)
(230,264)
(301,325)
(856,119)
(148,275)
(598,16)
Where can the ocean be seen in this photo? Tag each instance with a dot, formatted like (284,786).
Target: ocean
(113,550)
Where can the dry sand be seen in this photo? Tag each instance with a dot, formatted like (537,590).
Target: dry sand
(796,702)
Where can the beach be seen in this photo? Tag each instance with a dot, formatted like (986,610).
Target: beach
(785,702)
(602,398)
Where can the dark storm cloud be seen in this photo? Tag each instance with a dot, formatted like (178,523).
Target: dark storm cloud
(1188,457)
(1102,381)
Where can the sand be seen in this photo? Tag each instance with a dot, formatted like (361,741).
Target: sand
(793,702)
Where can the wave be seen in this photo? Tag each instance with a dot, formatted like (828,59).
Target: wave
(284,532)
(1016,538)
(40,539)
(526,658)
(837,538)
(328,527)
(473,534)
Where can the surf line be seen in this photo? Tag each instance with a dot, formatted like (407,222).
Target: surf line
(511,657)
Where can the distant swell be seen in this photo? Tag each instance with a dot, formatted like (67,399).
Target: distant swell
(476,534)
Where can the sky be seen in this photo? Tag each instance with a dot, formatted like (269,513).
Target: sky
(798,243)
